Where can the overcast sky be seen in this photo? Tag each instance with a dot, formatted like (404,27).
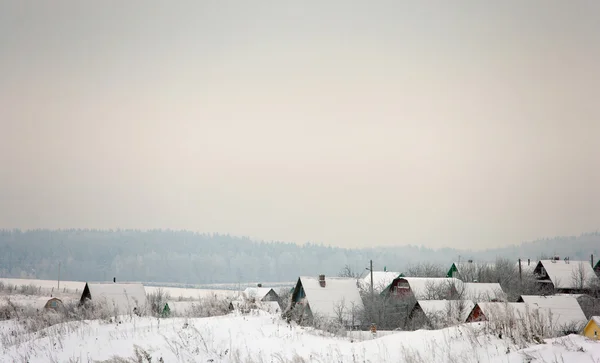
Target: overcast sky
(352,123)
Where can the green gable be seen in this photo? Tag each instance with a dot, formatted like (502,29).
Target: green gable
(453,270)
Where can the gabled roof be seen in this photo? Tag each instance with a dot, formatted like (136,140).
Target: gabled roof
(123,298)
(440,309)
(338,291)
(421,286)
(564,274)
(479,291)
(258,293)
(502,310)
(595,319)
(381,280)
(564,309)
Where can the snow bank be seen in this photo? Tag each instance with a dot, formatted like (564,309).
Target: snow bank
(266,338)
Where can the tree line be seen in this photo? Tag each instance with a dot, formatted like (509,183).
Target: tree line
(194,258)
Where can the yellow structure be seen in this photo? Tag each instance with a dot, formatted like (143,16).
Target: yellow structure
(592,328)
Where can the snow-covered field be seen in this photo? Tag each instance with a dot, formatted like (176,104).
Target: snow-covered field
(72,288)
(266,338)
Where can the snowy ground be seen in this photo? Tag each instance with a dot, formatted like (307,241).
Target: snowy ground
(266,338)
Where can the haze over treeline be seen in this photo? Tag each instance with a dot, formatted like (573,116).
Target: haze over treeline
(193,258)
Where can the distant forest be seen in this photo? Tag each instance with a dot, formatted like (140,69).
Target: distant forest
(193,258)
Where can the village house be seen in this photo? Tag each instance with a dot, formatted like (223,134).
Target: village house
(333,298)
(118,298)
(565,276)
(565,310)
(382,280)
(437,314)
(424,288)
(592,328)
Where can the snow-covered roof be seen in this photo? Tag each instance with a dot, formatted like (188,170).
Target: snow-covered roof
(527,267)
(121,297)
(502,310)
(564,309)
(479,291)
(568,274)
(326,301)
(421,286)
(381,280)
(443,308)
(257,293)
(596,320)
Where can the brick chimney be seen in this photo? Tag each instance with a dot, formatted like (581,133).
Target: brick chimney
(322,280)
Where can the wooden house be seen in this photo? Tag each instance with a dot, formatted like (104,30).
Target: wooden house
(592,328)
(334,298)
(565,276)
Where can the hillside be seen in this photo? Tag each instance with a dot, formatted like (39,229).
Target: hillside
(186,257)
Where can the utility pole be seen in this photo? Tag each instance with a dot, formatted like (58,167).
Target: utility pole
(58,277)
(371,269)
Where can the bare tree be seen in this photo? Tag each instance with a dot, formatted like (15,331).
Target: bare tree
(579,276)
(348,271)
(426,269)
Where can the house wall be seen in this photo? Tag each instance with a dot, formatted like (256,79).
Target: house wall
(592,330)
(476,315)
(271,296)
(400,287)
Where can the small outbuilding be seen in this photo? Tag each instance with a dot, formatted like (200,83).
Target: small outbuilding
(592,328)
(55,304)
(260,294)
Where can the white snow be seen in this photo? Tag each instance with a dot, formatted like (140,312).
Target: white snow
(266,338)
(438,309)
(565,309)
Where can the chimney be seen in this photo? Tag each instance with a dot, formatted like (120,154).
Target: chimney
(528,261)
(322,280)
(259,285)
(114,279)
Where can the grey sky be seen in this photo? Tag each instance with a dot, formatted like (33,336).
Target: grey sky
(465,124)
